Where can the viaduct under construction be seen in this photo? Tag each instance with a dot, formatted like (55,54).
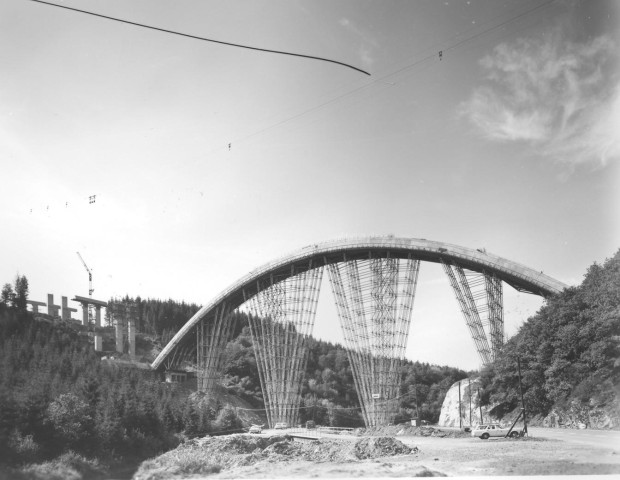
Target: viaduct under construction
(373,281)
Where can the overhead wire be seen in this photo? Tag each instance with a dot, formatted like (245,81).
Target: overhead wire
(196,37)
(434,53)
(439,47)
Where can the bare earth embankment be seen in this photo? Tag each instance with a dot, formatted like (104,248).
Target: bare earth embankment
(245,456)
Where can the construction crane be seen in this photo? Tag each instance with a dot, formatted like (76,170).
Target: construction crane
(90,276)
(90,288)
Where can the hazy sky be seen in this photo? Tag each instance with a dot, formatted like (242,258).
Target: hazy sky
(508,140)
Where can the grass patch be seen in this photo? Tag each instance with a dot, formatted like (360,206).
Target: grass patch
(69,466)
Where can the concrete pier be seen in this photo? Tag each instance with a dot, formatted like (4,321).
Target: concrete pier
(85,302)
(35,305)
(131,334)
(98,342)
(66,311)
(52,310)
(120,335)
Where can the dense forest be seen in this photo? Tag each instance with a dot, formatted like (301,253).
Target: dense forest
(328,390)
(56,395)
(569,351)
(159,318)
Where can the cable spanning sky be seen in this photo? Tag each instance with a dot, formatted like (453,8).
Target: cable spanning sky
(482,123)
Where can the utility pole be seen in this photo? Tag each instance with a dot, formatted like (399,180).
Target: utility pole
(469,391)
(480,405)
(460,416)
(417,407)
(522,401)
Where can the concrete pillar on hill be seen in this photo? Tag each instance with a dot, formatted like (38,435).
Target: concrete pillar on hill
(131,333)
(35,305)
(120,337)
(84,313)
(98,316)
(98,342)
(66,311)
(52,310)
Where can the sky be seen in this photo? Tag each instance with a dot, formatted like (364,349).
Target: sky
(482,124)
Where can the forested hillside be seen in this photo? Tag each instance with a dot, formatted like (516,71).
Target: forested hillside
(57,396)
(570,355)
(159,318)
(328,390)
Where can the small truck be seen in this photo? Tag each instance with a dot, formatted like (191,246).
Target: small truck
(492,430)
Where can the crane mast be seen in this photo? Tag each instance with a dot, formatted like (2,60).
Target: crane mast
(90,276)
(90,288)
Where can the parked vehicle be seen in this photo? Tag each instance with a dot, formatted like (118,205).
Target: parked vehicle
(255,429)
(492,430)
(310,424)
(281,426)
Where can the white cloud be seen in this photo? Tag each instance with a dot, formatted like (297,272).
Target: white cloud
(366,41)
(561,98)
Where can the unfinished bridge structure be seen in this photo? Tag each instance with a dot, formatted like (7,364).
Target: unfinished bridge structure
(373,281)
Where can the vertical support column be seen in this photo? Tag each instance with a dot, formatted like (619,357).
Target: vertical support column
(131,334)
(120,340)
(97,336)
(52,310)
(84,313)
(98,316)
(66,310)
(65,314)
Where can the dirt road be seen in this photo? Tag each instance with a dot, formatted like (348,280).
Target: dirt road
(457,457)
(262,456)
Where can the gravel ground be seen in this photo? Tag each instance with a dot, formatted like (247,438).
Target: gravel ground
(242,456)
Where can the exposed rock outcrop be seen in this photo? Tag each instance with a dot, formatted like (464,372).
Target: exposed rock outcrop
(577,415)
(468,412)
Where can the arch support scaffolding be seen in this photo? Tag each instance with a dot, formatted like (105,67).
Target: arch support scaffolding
(281,320)
(212,334)
(374,298)
(480,297)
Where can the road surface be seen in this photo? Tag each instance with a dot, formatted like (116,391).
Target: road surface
(609,439)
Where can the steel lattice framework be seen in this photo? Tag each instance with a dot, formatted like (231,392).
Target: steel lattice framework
(373,280)
(480,298)
(212,335)
(282,320)
(374,298)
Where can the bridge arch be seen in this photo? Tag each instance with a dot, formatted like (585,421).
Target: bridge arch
(208,323)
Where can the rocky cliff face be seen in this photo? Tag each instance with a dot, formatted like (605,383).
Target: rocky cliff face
(468,412)
(577,415)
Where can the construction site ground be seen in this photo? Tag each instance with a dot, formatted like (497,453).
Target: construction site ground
(415,452)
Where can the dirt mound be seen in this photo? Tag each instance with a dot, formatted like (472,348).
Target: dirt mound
(374,447)
(213,454)
(408,430)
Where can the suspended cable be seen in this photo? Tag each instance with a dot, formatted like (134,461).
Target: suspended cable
(382,80)
(230,44)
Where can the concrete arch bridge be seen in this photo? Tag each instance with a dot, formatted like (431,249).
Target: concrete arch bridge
(373,281)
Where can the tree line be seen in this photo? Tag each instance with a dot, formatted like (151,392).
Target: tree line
(57,395)
(569,351)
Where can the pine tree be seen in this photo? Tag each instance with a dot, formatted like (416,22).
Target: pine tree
(21,292)
(7,296)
